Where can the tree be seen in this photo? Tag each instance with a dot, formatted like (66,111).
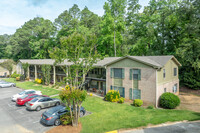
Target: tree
(32,40)
(189,50)
(8,64)
(80,51)
(4,41)
(90,20)
(25,66)
(112,27)
(46,69)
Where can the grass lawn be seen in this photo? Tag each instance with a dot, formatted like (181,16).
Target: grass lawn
(30,85)
(107,116)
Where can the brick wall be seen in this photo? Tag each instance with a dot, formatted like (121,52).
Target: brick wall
(147,84)
(168,86)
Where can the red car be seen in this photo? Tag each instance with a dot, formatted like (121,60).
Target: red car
(24,99)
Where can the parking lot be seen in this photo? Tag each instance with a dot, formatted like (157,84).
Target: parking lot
(16,119)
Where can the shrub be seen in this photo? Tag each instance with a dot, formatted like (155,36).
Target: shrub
(137,102)
(14,75)
(39,81)
(65,119)
(121,100)
(169,100)
(112,96)
(150,107)
(17,78)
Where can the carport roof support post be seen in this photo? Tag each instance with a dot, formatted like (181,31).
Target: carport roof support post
(28,76)
(54,75)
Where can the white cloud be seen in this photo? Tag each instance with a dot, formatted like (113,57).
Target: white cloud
(14,13)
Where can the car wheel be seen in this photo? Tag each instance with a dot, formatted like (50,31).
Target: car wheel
(38,108)
(57,104)
(57,122)
(81,113)
(12,85)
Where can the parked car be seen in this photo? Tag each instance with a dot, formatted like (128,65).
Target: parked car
(52,115)
(6,84)
(25,92)
(42,102)
(24,99)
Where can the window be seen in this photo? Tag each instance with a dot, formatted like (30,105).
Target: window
(117,73)
(175,71)
(136,74)
(165,90)
(164,74)
(174,88)
(120,89)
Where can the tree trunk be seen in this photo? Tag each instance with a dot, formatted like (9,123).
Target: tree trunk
(114,43)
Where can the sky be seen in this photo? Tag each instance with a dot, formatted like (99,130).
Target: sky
(14,13)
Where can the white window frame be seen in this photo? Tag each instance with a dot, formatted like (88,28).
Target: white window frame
(175,88)
(164,73)
(165,90)
(174,72)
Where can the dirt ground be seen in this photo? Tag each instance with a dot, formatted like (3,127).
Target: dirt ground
(190,99)
(66,129)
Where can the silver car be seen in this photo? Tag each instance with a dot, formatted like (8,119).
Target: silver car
(6,84)
(42,102)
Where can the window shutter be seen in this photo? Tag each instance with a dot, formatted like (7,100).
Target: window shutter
(131,74)
(111,72)
(122,73)
(139,74)
(130,94)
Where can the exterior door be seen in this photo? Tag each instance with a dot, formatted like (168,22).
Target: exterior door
(136,94)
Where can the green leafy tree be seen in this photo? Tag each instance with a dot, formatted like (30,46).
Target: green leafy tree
(46,70)
(189,50)
(32,40)
(80,51)
(8,64)
(4,41)
(25,66)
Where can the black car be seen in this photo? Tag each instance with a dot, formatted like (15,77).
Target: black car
(52,115)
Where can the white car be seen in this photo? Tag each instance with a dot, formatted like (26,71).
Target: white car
(6,84)
(25,92)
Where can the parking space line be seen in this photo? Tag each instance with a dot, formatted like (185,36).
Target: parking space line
(36,121)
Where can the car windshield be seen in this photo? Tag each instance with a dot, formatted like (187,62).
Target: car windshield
(34,100)
(21,93)
(53,110)
(25,96)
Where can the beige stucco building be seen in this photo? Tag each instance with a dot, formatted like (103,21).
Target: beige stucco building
(136,77)
(3,71)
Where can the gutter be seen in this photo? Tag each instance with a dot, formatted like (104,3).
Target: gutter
(156,91)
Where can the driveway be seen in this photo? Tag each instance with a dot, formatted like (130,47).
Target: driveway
(188,127)
(15,119)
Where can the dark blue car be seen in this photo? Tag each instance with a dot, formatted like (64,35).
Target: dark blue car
(52,115)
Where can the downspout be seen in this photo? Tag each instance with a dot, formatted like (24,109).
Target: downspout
(156,91)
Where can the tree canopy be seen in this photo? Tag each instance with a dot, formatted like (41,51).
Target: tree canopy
(164,27)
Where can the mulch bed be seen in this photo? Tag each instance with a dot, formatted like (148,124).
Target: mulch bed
(66,129)
(190,91)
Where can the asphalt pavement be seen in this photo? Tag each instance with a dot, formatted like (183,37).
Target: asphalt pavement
(185,127)
(16,119)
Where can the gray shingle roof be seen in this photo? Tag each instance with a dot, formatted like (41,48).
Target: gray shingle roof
(155,61)
(162,60)
(106,60)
